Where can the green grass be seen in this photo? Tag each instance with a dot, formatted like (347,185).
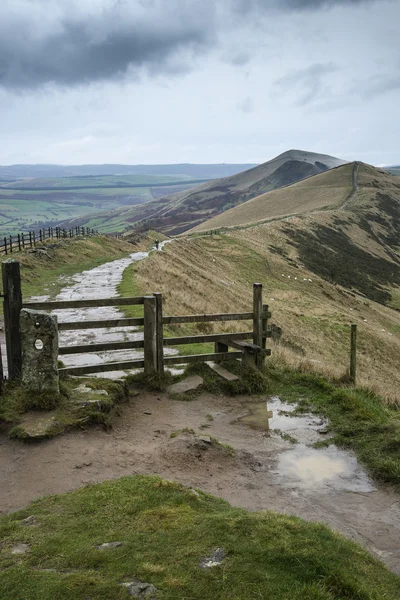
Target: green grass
(358,418)
(41,274)
(46,202)
(165,530)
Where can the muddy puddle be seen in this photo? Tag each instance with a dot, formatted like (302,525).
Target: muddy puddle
(302,466)
(100,282)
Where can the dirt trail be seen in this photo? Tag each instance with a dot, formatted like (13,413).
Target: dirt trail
(355,188)
(265,473)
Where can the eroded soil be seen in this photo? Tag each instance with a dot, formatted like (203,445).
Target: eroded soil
(265,472)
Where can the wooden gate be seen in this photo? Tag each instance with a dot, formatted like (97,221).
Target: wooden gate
(153,321)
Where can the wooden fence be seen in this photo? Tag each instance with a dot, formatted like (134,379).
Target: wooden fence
(29,239)
(227,346)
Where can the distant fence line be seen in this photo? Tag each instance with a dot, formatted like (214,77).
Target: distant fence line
(16,243)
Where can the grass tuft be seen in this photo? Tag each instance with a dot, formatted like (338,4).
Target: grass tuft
(165,531)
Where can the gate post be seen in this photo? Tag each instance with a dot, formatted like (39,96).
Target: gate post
(159,333)
(258,320)
(150,335)
(12,308)
(353,354)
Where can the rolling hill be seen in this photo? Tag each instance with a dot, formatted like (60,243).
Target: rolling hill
(181,211)
(344,225)
(351,186)
(333,261)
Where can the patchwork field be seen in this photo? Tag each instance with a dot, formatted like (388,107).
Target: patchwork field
(35,203)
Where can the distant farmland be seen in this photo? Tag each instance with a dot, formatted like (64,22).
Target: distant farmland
(34,203)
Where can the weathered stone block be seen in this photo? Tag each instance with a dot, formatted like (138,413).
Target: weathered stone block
(39,340)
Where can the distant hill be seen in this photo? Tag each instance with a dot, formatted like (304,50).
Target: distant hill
(353,185)
(193,171)
(344,225)
(181,211)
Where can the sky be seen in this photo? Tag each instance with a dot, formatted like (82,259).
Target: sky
(200,81)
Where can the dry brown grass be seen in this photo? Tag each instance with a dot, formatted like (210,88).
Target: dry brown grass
(327,190)
(215,274)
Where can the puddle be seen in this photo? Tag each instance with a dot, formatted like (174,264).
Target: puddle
(301,466)
(100,282)
(267,416)
(322,468)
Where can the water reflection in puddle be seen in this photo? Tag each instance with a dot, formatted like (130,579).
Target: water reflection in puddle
(302,466)
(329,468)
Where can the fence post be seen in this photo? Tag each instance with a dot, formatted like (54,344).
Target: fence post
(5,245)
(12,308)
(265,325)
(159,333)
(19,242)
(23,240)
(353,354)
(150,332)
(258,320)
(220,347)
(30,239)
(34,238)
(11,246)
(1,373)
(40,235)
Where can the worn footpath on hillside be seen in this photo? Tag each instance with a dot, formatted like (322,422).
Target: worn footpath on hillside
(261,471)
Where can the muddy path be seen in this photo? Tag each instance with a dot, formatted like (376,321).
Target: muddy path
(99,282)
(264,473)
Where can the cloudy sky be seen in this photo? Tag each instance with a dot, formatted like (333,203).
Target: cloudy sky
(166,81)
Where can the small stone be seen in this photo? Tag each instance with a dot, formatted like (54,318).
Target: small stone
(216,558)
(29,521)
(193,492)
(187,385)
(84,389)
(109,545)
(147,412)
(141,590)
(20,549)
(205,438)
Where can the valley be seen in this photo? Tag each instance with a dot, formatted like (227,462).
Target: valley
(180,211)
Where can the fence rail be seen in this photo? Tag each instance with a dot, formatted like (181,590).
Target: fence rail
(16,243)
(227,346)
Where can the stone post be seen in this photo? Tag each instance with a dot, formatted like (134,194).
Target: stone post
(39,340)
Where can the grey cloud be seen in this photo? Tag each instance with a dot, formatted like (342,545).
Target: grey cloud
(308,82)
(246,6)
(378,85)
(84,48)
(43,41)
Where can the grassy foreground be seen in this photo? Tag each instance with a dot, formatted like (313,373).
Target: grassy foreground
(165,530)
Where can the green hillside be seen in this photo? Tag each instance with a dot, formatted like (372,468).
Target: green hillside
(35,203)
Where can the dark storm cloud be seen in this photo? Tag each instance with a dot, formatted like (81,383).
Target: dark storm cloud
(45,42)
(79,48)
